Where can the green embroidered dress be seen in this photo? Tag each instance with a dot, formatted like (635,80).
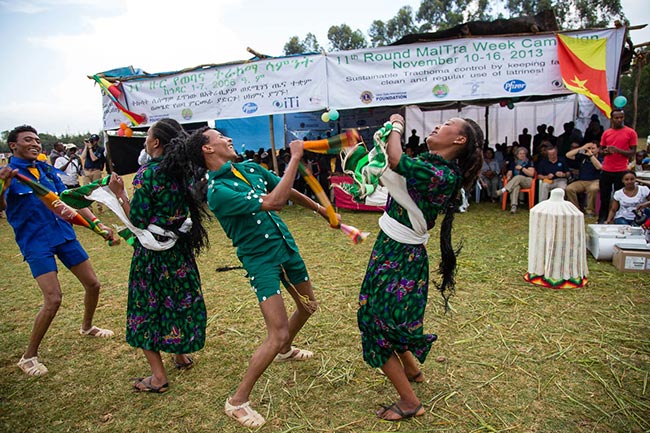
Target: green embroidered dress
(165,310)
(394,292)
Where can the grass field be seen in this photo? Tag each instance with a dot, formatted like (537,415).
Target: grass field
(511,357)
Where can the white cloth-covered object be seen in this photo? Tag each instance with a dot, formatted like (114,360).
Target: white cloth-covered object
(556,242)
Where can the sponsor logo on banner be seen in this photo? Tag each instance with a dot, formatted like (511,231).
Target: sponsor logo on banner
(557,84)
(187,113)
(249,107)
(393,96)
(366,97)
(514,86)
(440,90)
(286,103)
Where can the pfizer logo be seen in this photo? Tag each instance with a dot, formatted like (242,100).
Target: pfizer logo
(249,107)
(514,86)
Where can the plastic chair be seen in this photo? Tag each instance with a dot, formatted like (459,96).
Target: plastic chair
(530,191)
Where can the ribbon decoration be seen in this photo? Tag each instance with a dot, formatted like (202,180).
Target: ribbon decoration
(62,210)
(334,145)
(110,90)
(366,167)
(356,235)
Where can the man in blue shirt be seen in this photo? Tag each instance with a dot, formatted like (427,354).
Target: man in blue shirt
(553,171)
(41,235)
(589,176)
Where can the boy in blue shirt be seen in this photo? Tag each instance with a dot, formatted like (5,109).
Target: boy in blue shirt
(41,235)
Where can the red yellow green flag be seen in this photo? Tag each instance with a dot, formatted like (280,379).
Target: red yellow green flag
(583,68)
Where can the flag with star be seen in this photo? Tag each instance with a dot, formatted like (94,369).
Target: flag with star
(583,68)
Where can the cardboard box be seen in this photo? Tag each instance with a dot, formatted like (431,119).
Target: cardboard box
(601,238)
(631,258)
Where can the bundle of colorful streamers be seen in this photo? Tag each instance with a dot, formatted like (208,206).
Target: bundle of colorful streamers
(113,93)
(353,233)
(366,167)
(61,209)
(334,145)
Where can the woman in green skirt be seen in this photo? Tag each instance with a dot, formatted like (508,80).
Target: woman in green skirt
(394,292)
(165,310)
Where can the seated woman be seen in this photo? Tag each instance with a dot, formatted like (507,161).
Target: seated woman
(489,177)
(628,199)
(519,176)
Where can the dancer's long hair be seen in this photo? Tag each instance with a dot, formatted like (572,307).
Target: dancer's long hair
(469,162)
(172,136)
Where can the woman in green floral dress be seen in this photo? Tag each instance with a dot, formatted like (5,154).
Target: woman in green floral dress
(165,310)
(394,292)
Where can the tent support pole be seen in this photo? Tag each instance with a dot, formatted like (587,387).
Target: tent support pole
(275,159)
(487,124)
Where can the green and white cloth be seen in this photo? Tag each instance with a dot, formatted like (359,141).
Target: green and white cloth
(152,238)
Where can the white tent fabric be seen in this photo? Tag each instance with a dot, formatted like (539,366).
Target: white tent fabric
(504,124)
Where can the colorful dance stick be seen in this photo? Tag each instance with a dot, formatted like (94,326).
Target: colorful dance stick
(352,232)
(333,145)
(62,210)
(136,119)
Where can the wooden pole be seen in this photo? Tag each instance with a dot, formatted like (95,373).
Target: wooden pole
(275,159)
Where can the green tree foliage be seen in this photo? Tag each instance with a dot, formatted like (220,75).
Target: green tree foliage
(442,14)
(296,46)
(343,38)
(571,14)
(640,74)
(434,15)
(394,29)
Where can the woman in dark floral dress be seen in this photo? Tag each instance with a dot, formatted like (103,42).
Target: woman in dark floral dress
(394,292)
(165,310)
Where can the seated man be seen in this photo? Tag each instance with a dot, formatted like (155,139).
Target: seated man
(553,171)
(588,178)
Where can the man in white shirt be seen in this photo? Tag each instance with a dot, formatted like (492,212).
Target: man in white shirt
(70,165)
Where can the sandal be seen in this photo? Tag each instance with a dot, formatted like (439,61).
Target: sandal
(251,419)
(294,354)
(31,366)
(396,409)
(147,386)
(184,365)
(416,377)
(97,332)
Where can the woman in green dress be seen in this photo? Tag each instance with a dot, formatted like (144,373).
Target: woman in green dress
(394,292)
(165,310)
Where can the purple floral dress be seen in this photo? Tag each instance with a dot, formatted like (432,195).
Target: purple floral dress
(394,292)
(165,310)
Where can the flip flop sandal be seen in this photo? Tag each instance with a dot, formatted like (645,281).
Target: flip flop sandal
(396,409)
(147,386)
(415,377)
(184,365)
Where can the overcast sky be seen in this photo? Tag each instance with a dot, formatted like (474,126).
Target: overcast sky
(49,47)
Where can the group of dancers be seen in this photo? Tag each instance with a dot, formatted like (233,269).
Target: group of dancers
(166,310)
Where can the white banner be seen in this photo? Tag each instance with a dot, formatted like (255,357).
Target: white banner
(283,85)
(442,71)
(456,70)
